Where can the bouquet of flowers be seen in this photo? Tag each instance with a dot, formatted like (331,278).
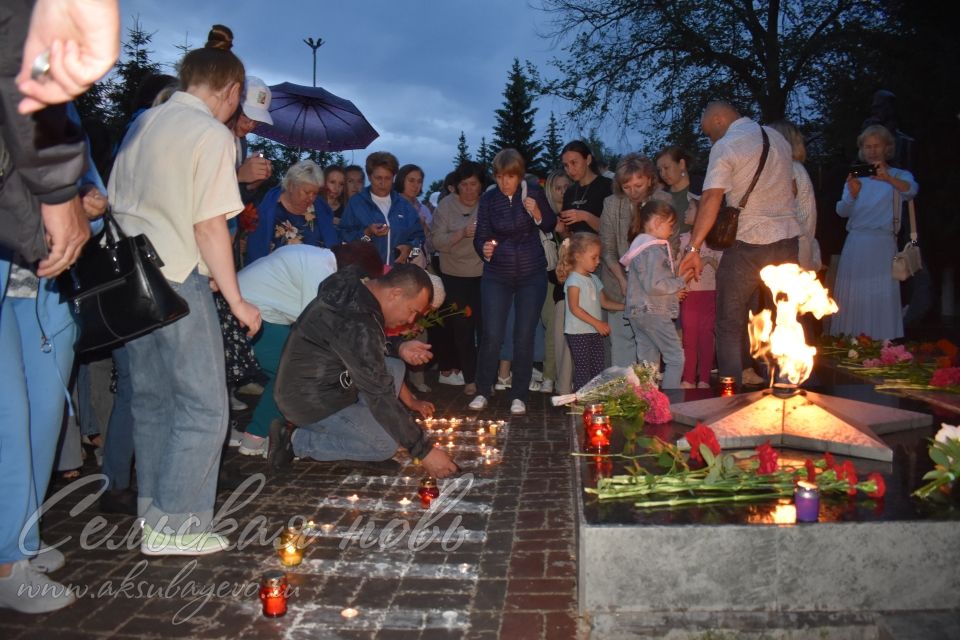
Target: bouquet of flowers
(630,392)
(704,476)
(927,366)
(434,317)
(945,453)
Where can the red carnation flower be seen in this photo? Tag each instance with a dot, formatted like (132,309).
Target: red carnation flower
(248,218)
(702,434)
(768,458)
(467,311)
(811,470)
(829,461)
(881,486)
(848,472)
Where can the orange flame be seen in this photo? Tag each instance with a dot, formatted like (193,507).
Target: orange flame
(795,291)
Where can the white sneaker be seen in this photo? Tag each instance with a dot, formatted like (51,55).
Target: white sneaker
(503,383)
(28,591)
(546,386)
(47,560)
(156,543)
(537,375)
(236,404)
(479,402)
(454,379)
(236,438)
(534,385)
(252,445)
(517,408)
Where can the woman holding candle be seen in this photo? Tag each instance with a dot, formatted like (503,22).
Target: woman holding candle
(514,272)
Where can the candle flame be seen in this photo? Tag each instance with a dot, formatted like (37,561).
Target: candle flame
(405,501)
(795,291)
(353,498)
(349,612)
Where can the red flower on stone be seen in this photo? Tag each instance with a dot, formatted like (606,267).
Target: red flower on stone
(811,470)
(768,458)
(829,461)
(881,489)
(946,377)
(702,434)
(847,472)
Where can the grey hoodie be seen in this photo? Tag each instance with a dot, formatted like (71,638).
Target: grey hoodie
(341,332)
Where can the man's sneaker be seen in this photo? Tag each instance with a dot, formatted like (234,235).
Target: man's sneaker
(280,449)
(47,560)
(479,402)
(503,383)
(534,385)
(157,543)
(236,437)
(518,408)
(251,445)
(236,404)
(751,378)
(251,389)
(454,379)
(546,386)
(28,591)
(536,374)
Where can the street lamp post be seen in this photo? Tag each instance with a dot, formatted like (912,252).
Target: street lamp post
(314,44)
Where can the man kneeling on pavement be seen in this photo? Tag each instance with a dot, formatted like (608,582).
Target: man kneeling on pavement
(336,383)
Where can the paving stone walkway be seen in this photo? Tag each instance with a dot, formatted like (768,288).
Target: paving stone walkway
(497,563)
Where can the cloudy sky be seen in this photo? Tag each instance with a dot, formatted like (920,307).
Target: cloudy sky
(420,70)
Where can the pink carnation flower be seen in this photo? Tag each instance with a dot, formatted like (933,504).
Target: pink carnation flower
(893,354)
(659,407)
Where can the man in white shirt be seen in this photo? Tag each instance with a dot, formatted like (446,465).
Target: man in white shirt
(767,232)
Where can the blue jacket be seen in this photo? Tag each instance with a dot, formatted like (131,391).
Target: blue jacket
(519,252)
(259,242)
(361,211)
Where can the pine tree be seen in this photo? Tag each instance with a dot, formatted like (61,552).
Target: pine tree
(514,128)
(552,145)
(463,152)
(128,74)
(484,153)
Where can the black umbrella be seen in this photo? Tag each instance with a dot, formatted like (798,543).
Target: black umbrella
(313,118)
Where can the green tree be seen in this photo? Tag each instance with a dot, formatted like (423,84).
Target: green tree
(125,80)
(463,152)
(484,153)
(606,157)
(552,145)
(515,128)
(659,61)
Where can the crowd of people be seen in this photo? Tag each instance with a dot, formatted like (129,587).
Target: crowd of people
(314,302)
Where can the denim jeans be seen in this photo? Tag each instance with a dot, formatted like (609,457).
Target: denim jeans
(623,346)
(497,295)
(32,398)
(180,404)
(351,433)
(656,335)
(738,278)
(118,444)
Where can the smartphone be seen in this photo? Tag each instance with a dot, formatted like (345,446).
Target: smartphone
(863,170)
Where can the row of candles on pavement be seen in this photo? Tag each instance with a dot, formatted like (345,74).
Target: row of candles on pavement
(290,545)
(447,427)
(598,430)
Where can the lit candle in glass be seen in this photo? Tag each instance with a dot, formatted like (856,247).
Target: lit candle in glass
(493,429)
(726,386)
(273,594)
(353,498)
(428,491)
(291,555)
(404,501)
(327,528)
(349,613)
(806,497)
(589,411)
(598,433)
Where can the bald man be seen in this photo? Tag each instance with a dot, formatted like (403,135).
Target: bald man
(767,232)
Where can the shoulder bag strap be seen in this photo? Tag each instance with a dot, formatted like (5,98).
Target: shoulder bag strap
(763,161)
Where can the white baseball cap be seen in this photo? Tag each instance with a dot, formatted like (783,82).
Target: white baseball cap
(256,100)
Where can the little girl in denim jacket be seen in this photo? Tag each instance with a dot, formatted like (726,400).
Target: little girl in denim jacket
(654,290)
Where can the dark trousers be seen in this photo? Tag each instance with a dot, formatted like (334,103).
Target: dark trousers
(456,342)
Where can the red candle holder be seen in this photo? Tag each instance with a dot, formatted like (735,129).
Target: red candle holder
(598,433)
(589,411)
(726,386)
(273,594)
(428,491)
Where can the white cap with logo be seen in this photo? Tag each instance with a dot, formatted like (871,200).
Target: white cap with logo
(256,101)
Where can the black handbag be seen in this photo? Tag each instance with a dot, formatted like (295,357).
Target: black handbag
(117,289)
(723,233)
